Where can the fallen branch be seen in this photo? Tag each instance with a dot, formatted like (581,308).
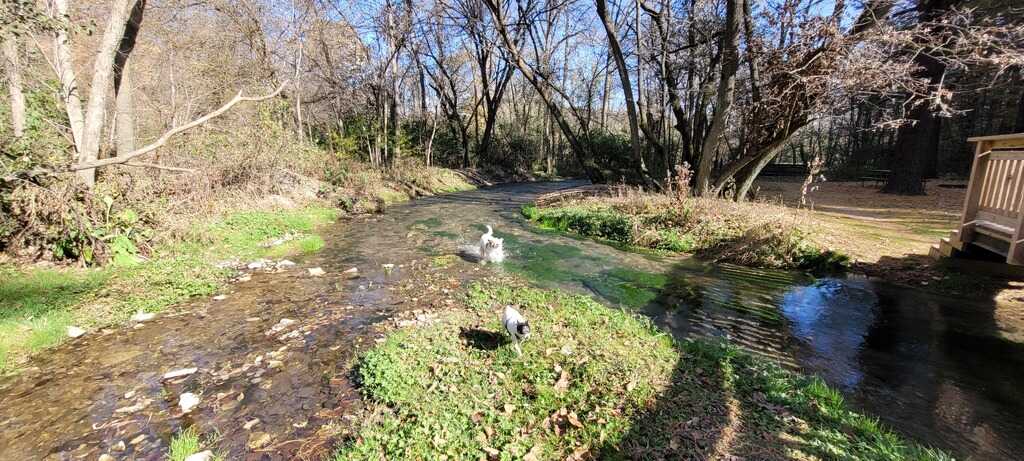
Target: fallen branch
(167,136)
(160,167)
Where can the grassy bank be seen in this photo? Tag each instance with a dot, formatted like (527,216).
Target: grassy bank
(593,383)
(759,235)
(40,303)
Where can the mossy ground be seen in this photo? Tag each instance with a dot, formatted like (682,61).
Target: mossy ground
(592,383)
(39,304)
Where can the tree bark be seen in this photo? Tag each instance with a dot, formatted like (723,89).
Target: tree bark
(102,79)
(918,141)
(627,89)
(63,65)
(12,64)
(725,94)
(123,90)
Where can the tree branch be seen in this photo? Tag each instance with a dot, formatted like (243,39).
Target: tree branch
(167,136)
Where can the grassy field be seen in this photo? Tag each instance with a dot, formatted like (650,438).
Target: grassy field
(40,303)
(718,230)
(593,383)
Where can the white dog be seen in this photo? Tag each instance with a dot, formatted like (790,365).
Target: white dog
(492,249)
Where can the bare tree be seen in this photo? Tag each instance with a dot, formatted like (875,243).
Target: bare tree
(12,66)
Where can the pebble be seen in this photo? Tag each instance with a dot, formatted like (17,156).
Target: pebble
(285,263)
(137,440)
(106,457)
(256,265)
(258,440)
(252,319)
(316,271)
(188,401)
(352,271)
(75,332)
(275,364)
(141,316)
(220,297)
(180,373)
(248,425)
(119,446)
(201,456)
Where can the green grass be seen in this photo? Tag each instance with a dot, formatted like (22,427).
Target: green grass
(596,382)
(186,443)
(39,304)
(728,234)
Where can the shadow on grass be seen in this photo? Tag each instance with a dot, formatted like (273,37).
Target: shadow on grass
(482,339)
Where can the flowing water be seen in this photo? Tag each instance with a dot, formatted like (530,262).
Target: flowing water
(945,371)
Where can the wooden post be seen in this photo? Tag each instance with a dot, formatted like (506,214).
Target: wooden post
(971,201)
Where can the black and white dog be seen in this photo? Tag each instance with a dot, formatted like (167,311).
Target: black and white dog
(516,325)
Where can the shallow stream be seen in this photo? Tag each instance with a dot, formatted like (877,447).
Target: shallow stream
(945,371)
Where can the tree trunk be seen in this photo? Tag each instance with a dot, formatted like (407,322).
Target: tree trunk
(69,91)
(12,64)
(916,142)
(123,90)
(102,79)
(627,89)
(725,94)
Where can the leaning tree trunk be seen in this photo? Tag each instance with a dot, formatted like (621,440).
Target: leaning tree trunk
(725,94)
(123,91)
(12,64)
(627,90)
(69,91)
(102,79)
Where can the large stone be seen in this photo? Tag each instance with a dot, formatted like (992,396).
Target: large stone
(75,332)
(141,316)
(316,272)
(187,402)
(201,456)
(179,373)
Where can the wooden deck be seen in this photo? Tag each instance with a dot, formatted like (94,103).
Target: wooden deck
(992,216)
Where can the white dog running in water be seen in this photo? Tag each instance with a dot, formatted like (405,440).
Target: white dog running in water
(492,249)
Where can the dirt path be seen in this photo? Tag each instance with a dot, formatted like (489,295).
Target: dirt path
(889,236)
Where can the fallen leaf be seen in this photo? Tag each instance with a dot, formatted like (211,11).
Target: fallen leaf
(563,382)
(574,420)
(534,454)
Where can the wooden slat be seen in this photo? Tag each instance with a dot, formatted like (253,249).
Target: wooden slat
(1017,195)
(1008,155)
(1008,143)
(997,137)
(989,216)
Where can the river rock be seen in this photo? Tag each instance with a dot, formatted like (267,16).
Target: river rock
(141,316)
(106,457)
(220,297)
(180,373)
(201,456)
(316,271)
(284,264)
(187,402)
(75,332)
(258,440)
(258,264)
(249,424)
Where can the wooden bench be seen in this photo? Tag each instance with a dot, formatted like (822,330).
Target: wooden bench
(993,217)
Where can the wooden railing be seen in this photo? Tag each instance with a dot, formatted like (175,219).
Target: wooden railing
(993,216)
